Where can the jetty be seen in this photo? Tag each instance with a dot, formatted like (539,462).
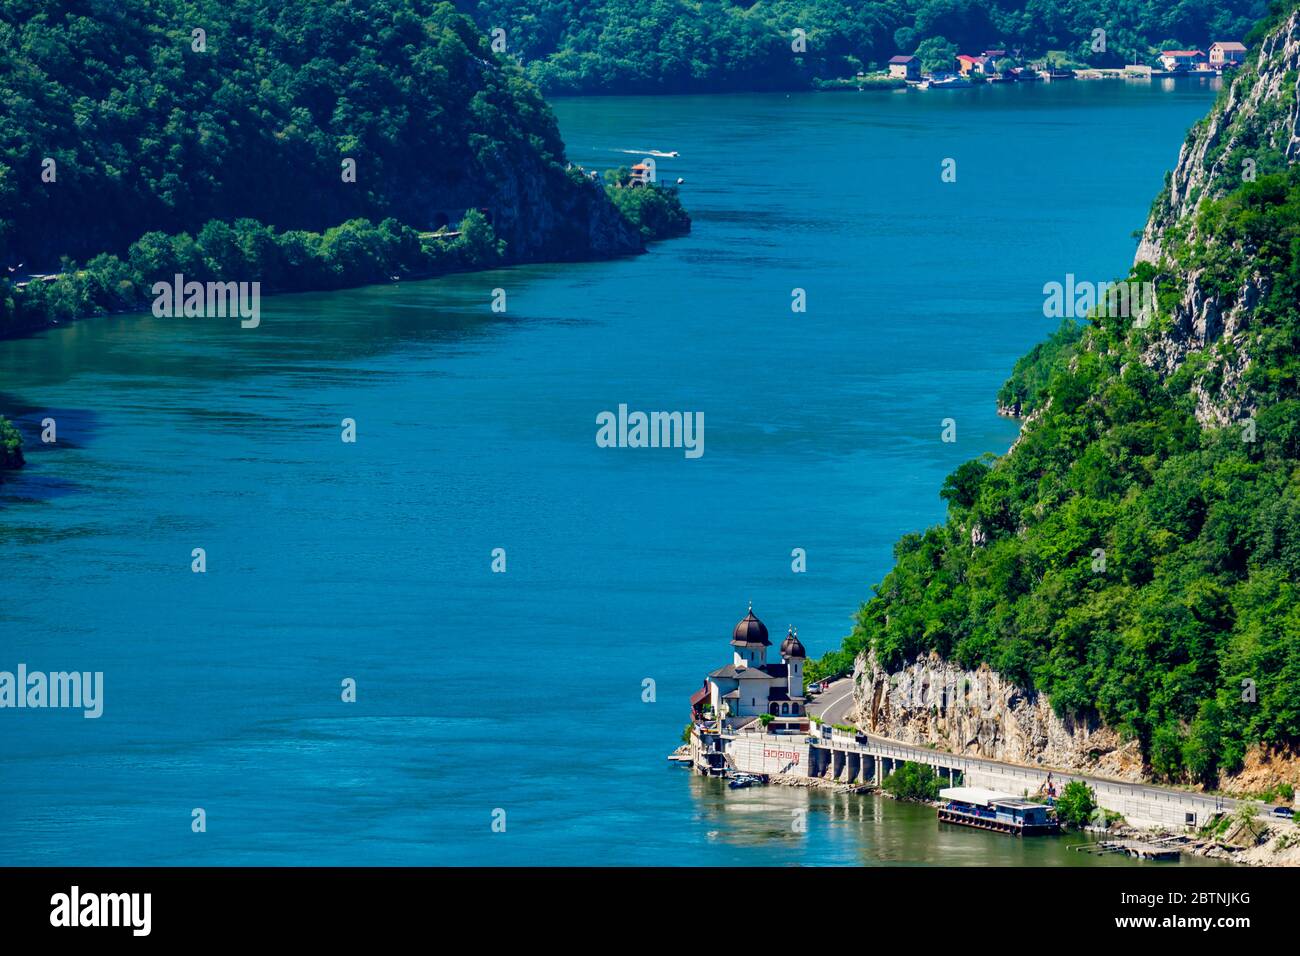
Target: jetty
(1134,848)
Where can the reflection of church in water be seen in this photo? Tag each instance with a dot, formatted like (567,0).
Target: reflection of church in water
(749,686)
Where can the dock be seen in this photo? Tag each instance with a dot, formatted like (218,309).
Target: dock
(1134,848)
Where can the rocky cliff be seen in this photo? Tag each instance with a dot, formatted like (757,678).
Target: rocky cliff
(543,212)
(980,713)
(1258,112)
(546,216)
(1254,128)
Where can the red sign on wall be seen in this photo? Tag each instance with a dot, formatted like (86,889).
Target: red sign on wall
(790,755)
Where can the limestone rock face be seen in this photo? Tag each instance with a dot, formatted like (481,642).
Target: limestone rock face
(979,713)
(1260,111)
(542,213)
(1248,114)
(545,216)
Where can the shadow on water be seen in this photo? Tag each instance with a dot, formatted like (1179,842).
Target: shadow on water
(302,333)
(76,428)
(29,486)
(137,363)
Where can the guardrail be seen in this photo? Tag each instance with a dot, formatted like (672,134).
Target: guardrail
(1032,778)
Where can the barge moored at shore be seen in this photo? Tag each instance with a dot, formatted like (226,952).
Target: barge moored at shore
(991,810)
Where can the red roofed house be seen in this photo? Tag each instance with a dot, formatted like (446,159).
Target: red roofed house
(974,64)
(1177,60)
(1226,53)
(904,68)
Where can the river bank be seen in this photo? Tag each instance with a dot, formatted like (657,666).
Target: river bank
(883,83)
(1270,844)
(1275,846)
(357,253)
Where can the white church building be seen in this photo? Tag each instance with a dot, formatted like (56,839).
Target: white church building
(749,686)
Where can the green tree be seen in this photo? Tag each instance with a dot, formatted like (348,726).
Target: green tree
(1076,804)
(913,781)
(937,55)
(477,245)
(655,210)
(1204,743)
(962,487)
(1247,823)
(11,445)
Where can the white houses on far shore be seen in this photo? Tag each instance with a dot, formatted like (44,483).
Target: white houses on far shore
(905,67)
(1227,53)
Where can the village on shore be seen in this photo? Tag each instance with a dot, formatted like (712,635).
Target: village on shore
(1007,66)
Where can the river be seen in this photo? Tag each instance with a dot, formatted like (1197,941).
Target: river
(522,696)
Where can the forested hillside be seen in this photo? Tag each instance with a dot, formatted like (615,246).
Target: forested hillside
(1136,555)
(120,119)
(625,46)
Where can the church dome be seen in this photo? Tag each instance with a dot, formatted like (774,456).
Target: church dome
(791,647)
(750,631)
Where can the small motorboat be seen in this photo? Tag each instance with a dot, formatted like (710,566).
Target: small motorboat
(740,780)
(948,82)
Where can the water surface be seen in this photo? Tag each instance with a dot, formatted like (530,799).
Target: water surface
(523,691)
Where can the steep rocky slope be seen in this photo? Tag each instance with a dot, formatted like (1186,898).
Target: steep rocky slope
(1253,130)
(981,713)
(1256,118)
(1120,592)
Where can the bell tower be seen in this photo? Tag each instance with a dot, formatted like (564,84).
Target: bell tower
(793,654)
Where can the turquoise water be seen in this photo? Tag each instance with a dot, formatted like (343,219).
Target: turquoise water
(523,691)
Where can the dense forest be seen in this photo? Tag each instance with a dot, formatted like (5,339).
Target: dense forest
(303,144)
(648,46)
(1133,561)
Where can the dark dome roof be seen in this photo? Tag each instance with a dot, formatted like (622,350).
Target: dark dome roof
(791,647)
(750,631)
